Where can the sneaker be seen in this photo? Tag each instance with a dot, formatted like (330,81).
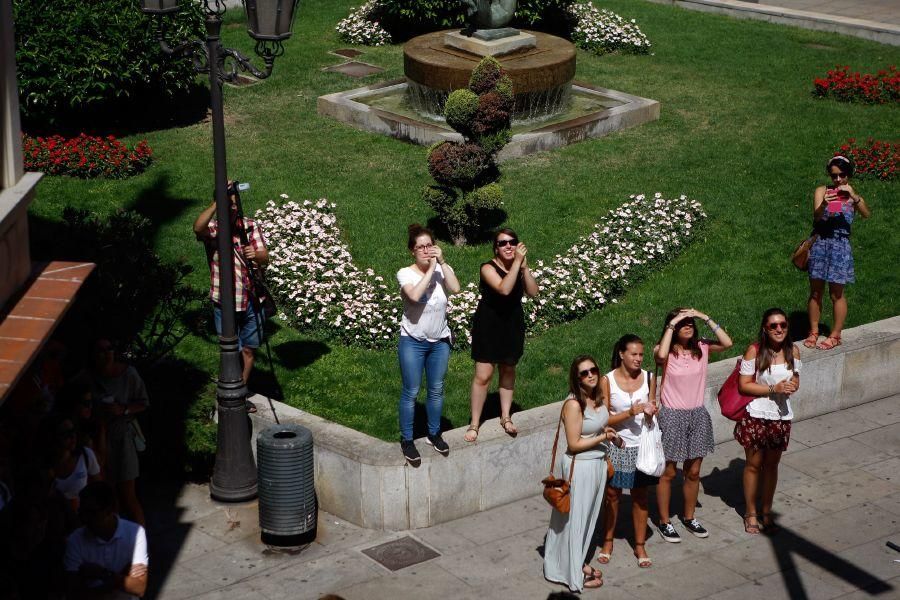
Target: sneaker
(438,443)
(410,453)
(668,533)
(694,526)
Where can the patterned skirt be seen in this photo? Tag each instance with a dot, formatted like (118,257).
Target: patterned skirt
(686,434)
(831,260)
(627,477)
(763,434)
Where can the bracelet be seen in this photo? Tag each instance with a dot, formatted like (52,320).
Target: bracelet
(670,326)
(442,263)
(716,328)
(771,389)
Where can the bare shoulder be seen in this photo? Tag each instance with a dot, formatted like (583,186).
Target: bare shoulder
(751,352)
(795,351)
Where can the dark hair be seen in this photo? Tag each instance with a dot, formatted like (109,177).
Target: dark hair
(621,345)
(499,232)
(763,356)
(693,343)
(415,230)
(575,381)
(100,495)
(841,162)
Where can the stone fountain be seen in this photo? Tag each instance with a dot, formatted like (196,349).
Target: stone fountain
(551,109)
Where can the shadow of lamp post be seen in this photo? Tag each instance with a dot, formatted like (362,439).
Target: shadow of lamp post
(269,23)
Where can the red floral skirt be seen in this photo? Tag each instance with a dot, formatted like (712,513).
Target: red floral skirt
(763,434)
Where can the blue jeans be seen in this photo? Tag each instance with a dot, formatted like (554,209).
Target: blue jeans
(249,328)
(416,356)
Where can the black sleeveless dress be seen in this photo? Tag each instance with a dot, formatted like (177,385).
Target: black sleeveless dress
(498,327)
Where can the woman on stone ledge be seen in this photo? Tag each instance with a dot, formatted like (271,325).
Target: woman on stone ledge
(584,417)
(498,327)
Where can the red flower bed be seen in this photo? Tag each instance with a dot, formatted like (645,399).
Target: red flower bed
(841,84)
(85,156)
(874,159)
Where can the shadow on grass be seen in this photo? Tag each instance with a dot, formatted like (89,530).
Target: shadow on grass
(787,544)
(799,329)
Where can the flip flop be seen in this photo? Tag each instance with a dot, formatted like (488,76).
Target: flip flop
(473,438)
(509,428)
(751,528)
(830,342)
(603,557)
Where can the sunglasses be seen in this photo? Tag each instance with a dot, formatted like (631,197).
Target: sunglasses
(777,326)
(838,175)
(592,371)
(509,242)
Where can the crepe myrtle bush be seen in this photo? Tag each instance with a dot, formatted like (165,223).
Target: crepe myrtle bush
(466,172)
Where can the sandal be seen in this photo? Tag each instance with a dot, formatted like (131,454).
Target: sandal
(594,579)
(603,557)
(509,427)
(811,339)
(751,528)
(642,562)
(769,526)
(471,438)
(832,341)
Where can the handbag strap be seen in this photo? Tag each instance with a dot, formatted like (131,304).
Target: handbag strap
(556,443)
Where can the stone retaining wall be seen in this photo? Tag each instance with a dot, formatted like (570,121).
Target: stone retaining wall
(366,481)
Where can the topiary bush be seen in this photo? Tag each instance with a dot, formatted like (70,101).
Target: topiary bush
(482,115)
(97,61)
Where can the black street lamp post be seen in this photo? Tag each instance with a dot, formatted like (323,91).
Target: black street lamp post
(269,23)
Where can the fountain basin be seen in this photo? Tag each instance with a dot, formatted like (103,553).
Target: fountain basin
(541,75)
(593,112)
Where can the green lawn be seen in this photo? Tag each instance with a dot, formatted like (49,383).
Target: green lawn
(739,131)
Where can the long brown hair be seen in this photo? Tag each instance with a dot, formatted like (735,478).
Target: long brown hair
(693,344)
(621,345)
(764,353)
(575,382)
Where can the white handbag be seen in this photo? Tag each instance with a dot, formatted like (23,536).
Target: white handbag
(650,459)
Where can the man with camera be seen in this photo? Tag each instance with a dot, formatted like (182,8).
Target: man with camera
(250,255)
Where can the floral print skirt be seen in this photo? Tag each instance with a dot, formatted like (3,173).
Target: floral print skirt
(763,434)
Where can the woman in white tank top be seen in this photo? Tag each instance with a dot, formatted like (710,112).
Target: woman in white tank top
(628,392)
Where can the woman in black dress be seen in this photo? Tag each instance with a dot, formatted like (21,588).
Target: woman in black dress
(498,327)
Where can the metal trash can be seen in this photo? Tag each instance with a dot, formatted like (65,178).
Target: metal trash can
(287,493)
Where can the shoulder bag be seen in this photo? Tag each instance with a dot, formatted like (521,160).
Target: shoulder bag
(800,255)
(557,491)
(732,403)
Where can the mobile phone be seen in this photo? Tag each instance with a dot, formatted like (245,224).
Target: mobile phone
(243,186)
(835,206)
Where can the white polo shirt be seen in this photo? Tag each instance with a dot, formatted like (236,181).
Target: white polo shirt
(127,547)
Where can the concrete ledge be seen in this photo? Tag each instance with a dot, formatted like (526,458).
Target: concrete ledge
(366,481)
(884,33)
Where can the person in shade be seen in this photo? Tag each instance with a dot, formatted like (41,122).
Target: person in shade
(686,426)
(107,557)
(628,392)
(424,337)
(498,327)
(831,258)
(584,418)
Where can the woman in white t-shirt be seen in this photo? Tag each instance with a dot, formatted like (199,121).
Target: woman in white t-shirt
(770,371)
(628,393)
(73,465)
(424,337)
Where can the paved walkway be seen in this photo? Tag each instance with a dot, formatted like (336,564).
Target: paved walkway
(879,11)
(838,496)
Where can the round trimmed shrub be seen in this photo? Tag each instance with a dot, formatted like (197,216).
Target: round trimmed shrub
(493,114)
(460,108)
(458,165)
(487,197)
(486,75)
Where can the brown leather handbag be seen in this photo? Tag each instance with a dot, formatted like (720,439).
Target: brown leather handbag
(557,491)
(800,255)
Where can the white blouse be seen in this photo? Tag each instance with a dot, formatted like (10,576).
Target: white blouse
(621,401)
(777,406)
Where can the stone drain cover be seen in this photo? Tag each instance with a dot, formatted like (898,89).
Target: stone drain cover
(354,68)
(400,553)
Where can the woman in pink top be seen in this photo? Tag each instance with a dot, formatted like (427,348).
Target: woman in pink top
(684,421)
